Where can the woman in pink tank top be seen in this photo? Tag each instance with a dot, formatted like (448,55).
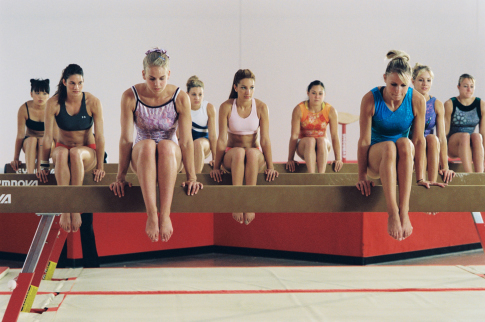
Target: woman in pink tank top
(156,108)
(238,150)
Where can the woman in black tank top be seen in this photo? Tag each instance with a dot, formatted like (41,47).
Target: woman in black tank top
(77,151)
(30,126)
(463,143)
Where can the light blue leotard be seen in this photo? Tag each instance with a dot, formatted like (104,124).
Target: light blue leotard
(388,125)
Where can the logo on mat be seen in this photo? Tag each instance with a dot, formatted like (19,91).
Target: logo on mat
(5,198)
(19,182)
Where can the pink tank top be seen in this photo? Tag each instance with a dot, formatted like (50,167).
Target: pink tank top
(243,126)
(155,122)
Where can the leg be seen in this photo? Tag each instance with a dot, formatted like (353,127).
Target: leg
(382,161)
(405,157)
(432,154)
(201,150)
(30,149)
(323,147)
(254,161)
(88,241)
(60,157)
(477,151)
(234,160)
(459,146)
(169,158)
(82,159)
(306,151)
(143,161)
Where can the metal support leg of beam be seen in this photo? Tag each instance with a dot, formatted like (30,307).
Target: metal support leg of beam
(480,225)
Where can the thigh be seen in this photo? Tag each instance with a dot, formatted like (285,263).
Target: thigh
(303,144)
(204,143)
(59,154)
(143,149)
(88,157)
(170,146)
(454,143)
(230,155)
(374,157)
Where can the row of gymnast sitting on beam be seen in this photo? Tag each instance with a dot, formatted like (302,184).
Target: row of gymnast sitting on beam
(393,122)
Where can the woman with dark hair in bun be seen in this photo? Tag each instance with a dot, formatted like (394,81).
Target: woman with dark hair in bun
(308,139)
(386,116)
(77,150)
(243,145)
(30,126)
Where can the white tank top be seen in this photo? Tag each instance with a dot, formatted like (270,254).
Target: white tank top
(200,118)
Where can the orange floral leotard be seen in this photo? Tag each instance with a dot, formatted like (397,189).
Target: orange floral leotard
(314,124)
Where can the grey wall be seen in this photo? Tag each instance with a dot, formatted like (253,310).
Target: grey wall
(287,44)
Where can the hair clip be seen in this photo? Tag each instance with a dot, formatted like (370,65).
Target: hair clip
(158,50)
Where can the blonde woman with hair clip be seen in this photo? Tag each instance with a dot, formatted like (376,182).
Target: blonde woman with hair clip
(386,116)
(436,144)
(156,108)
(240,149)
(203,123)
(462,115)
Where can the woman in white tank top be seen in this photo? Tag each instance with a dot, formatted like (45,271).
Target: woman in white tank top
(239,151)
(203,124)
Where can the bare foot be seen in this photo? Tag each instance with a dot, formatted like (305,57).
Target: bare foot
(394,228)
(248,217)
(75,221)
(238,216)
(65,222)
(166,228)
(407,228)
(152,229)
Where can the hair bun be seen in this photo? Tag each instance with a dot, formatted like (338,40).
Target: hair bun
(32,81)
(398,54)
(46,81)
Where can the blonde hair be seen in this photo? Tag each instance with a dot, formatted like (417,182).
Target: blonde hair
(194,81)
(399,64)
(419,69)
(466,76)
(156,57)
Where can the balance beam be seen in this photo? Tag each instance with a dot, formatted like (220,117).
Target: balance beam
(280,167)
(338,179)
(224,199)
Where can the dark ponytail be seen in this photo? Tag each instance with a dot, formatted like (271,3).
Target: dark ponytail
(39,85)
(70,70)
(240,75)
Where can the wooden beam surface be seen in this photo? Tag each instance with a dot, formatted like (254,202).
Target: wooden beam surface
(280,167)
(339,179)
(279,199)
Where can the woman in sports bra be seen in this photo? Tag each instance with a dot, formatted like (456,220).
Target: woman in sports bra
(462,115)
(239,150)
(77,151)
(203,124)
(30,126)
(386,116)
(436,144)
(308,138)
(156,108)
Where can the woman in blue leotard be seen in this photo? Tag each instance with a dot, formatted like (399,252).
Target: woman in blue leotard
(462,115)
(386,116)
(436,144)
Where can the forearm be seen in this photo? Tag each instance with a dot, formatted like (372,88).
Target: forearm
(213,147)
(46,145)
(187,148)
(18,148)
(220,149)
(100,152)
(292,148)
(444,154)
(336,149)
(124,158)
(420,159)
(362,155)
(266,147)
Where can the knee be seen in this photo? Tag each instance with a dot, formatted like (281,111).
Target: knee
(166,149)
(239,155)
(62,155)
(310,143)
(432,141)
(30,142)
(252,155)
(404,148)
(75,155)
(389,150)
(197,145)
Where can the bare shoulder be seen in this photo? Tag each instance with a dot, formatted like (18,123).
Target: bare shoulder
(53,103)
(368,99)
(448,103)
(128,94)
(182,96)
(418,97)
(260,104)
(226,105)
(91,100)
(211,109)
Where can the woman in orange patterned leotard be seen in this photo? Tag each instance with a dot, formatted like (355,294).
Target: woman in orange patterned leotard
(309,132)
